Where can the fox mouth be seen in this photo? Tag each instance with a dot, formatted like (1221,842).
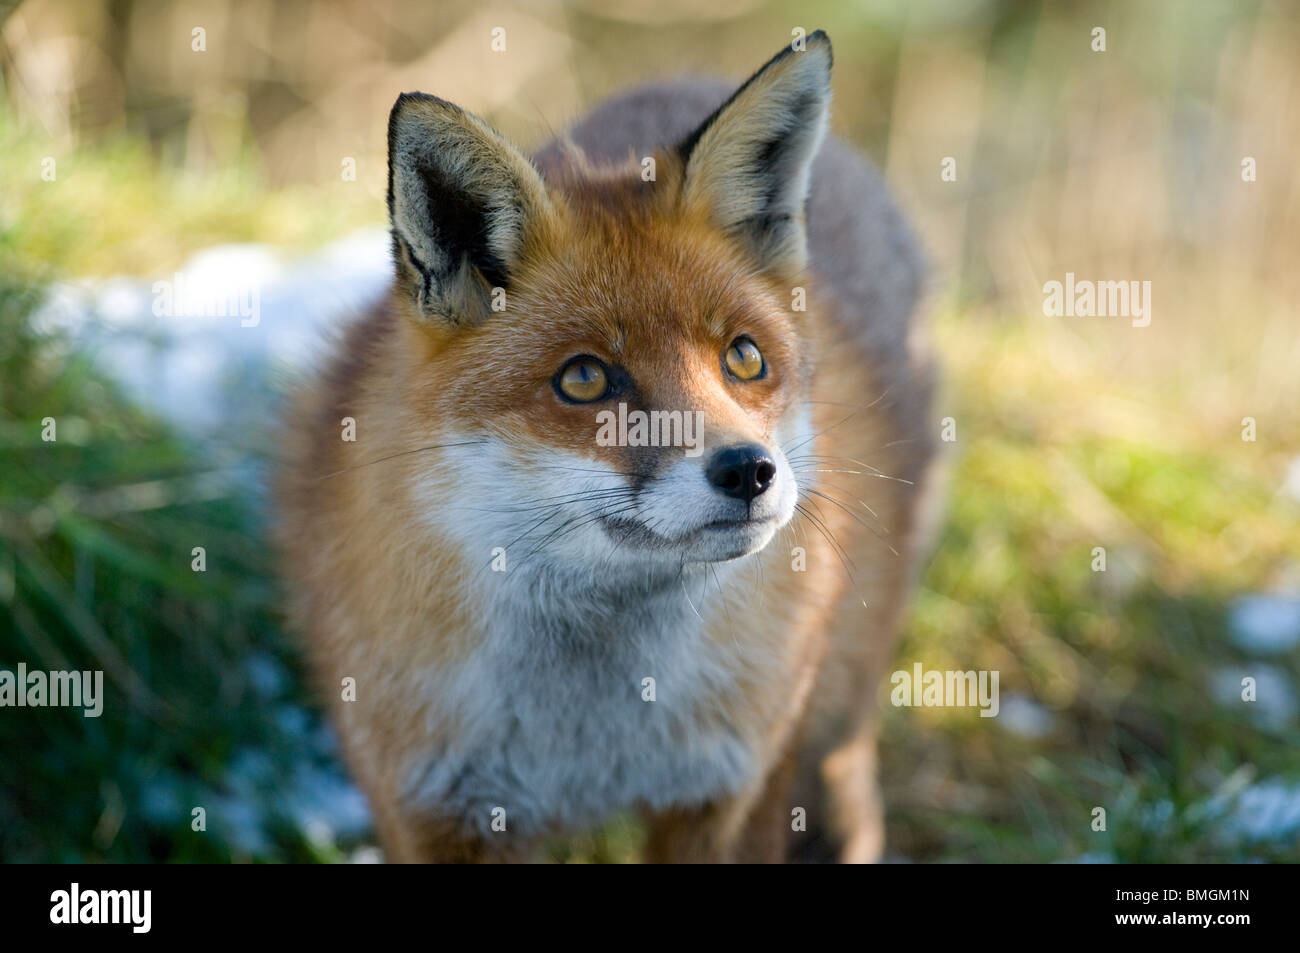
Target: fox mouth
(722,539)
(729,524)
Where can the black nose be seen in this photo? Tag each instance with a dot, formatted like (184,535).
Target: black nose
(743,472)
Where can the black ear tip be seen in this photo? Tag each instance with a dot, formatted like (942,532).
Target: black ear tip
(405,99)
(411,114)
(404,102)
(820,38)
(426,101)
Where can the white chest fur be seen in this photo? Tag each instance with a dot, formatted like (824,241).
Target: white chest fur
(557,724)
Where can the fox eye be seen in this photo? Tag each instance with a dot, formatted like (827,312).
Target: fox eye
(582,380)
(744,360)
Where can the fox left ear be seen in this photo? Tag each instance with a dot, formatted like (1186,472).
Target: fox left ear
(750,162)
(462,201)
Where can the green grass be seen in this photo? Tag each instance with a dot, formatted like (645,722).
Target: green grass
(1123,658)
(96,533)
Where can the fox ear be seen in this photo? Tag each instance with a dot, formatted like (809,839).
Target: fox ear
(460,200)
(749,163)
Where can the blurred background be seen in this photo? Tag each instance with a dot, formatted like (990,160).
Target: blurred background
(213,144)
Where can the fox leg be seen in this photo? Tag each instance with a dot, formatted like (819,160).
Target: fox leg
(691,835)
(854,801)
(765,838)
(751,828)
(423,835)
(412,838)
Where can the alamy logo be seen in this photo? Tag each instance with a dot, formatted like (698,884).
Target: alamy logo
(656,428)
(182,299)
(934,689)
(134,907)
(1101,299)
(38,689)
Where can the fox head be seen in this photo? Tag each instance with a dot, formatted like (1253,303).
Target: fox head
(609,360)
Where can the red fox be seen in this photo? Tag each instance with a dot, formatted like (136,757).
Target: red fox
(529,612)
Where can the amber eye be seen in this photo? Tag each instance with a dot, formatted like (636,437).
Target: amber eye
(582,380)
(744,360)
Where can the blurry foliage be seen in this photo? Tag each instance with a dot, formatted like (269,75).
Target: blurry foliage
(1125,660)
(115,209)
(96,533)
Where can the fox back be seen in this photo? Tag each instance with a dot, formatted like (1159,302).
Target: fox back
(613,504)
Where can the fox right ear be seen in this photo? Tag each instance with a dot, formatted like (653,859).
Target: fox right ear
(460,200)
(749,164)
